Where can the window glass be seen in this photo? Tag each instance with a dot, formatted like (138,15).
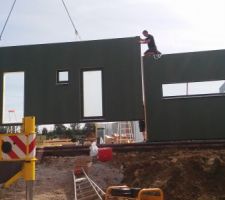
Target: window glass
(176,89)
(13,97)
(62,76)
(92,93)
(206,87)
(193,88)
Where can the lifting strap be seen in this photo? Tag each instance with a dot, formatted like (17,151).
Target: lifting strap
(71,20)
(67,11)
(7,19)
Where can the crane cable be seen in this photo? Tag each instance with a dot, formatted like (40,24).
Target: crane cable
(3,29)
(71,20)
(67,11)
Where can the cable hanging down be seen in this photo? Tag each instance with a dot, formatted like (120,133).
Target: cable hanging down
(71,20)
(67,11)
(3,29)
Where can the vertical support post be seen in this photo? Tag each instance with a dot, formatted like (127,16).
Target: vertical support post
(29,165)
(29,190)
(29,170)
(29,125)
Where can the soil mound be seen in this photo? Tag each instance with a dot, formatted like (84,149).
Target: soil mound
(181,174)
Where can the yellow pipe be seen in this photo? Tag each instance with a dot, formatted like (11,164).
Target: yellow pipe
(12,180)
(29,165)
(28,173)
(149,194)
(109,189)
(29,125)
(29,170)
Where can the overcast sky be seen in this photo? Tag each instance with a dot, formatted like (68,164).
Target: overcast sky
(177,25)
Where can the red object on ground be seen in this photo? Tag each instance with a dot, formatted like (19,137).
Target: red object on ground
(78,171)
(105,154)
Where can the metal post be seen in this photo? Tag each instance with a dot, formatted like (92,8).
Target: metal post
(29,165)
(29,190)
(29,176)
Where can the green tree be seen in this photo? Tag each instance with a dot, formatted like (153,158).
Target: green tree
(89,127)
(75,126)
(3,129)
(60,130)
(44,131)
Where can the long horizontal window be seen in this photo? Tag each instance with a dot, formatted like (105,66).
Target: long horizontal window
(194,88)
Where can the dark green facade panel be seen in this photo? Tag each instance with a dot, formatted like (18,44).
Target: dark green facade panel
(188,118)
(119,60)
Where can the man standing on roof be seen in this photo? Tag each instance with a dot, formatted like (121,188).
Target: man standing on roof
(149,40)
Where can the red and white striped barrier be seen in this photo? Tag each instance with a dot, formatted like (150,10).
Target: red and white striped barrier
(17,146)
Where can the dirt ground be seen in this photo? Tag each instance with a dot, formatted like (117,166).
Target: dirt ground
(181,174)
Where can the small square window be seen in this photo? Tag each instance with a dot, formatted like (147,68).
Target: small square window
(62,76)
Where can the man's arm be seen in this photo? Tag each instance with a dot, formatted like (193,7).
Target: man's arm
(144,41)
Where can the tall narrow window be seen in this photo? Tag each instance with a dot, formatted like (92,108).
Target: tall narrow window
(13,97)
(92,93)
